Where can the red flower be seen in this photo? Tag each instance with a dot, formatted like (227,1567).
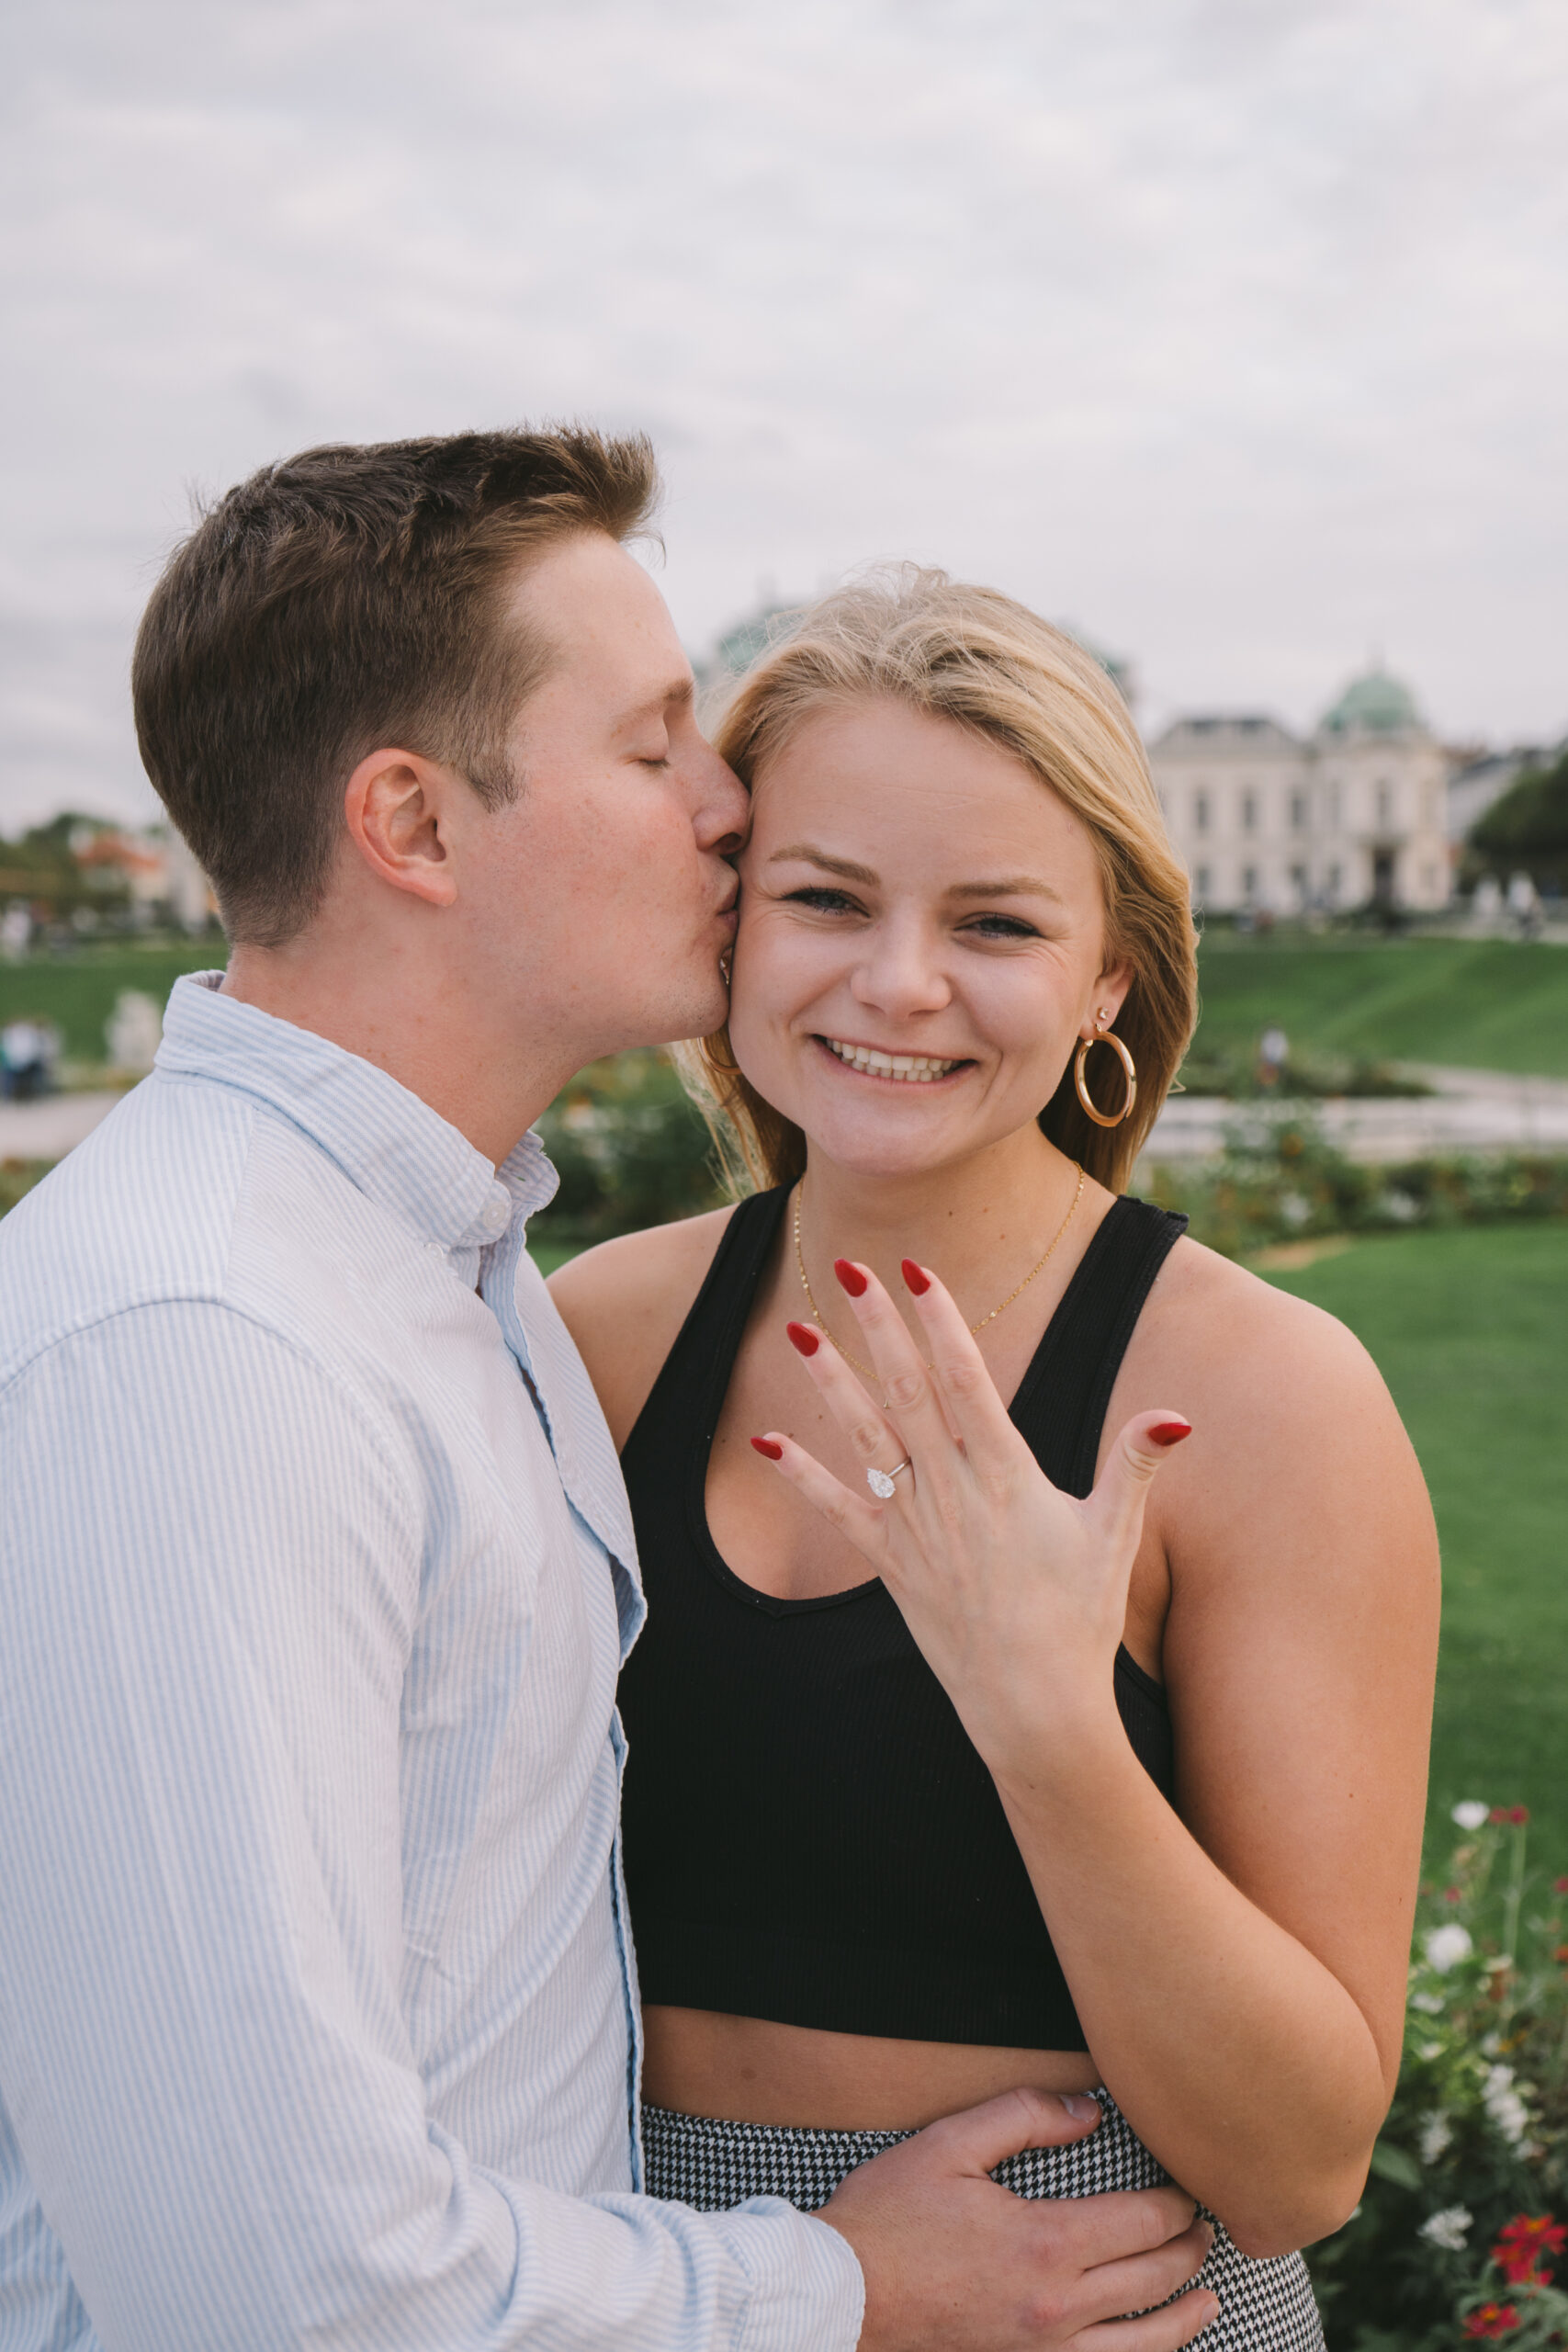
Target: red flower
(1492,2319)
(1560,1886)
(1514,1816)
(1452,1894)
(1520,2245)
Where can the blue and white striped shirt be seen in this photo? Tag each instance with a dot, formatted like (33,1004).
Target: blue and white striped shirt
(318,2018)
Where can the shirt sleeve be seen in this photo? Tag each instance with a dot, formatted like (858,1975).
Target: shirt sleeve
(207,2084)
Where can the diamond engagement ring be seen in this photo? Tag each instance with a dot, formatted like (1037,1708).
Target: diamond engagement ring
(881,1481)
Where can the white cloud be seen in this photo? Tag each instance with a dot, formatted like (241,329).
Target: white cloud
(1234,332)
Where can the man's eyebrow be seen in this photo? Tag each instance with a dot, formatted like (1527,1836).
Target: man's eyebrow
(807,854)
(676,695)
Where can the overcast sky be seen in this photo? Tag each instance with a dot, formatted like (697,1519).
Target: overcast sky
(1233,330)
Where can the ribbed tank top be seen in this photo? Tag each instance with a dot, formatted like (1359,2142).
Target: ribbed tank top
(809,1834)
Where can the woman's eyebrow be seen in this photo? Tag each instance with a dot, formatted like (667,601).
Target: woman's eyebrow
(1013,886)
(807,854)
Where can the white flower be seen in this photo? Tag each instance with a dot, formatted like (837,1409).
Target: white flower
(1429,2049)
(1503,2105)
(1436,2132)
(1445,1946)
(1447,2228)
(1491,2045)
(1429,2004)
(1470,1814)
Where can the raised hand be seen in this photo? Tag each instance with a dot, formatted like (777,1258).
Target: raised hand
(1016,1592)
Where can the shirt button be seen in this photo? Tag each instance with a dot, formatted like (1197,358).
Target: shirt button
(496,1215)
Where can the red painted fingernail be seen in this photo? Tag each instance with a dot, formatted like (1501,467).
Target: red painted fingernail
(851,1276)
(769,1449)
(916,1278)
(1169,1433)
(802,1339)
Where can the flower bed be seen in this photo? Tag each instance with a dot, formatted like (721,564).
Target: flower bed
(1457,2237)
(1282,1180)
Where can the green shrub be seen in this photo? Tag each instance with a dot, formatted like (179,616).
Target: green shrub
(1280,1178)
(17,1177)
(631,1150)
(1470,2168)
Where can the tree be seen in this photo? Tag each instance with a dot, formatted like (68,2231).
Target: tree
(1527,830)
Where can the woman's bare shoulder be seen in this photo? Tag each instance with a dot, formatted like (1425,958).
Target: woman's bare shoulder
(1296,1440)
(1232,1327)
(624,1302)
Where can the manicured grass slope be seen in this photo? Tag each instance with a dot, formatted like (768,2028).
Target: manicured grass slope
(79,992)
(1492,1003)
(1471,1331)
(1486,1004)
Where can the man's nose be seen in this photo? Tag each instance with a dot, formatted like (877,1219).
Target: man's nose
(724,814)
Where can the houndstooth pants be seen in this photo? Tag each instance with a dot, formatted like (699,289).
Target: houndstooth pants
(698,2161)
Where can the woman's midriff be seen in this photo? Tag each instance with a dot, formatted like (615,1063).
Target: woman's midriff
(748,2070)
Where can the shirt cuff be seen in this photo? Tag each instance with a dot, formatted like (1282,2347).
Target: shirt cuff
(807,2288)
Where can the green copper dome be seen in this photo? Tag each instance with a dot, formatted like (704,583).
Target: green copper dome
(1376,702)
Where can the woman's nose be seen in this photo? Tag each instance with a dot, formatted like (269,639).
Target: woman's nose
(900,974)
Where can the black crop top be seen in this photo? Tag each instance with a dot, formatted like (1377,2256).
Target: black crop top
(809,1835)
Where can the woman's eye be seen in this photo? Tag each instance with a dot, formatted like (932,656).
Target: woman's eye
(828,903)
(1003,927)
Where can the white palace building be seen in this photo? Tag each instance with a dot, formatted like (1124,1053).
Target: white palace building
(1354,815)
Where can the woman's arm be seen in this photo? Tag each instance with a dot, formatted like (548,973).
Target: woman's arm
(1239,1971)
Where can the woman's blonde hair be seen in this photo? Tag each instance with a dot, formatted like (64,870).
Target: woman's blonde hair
(975,656)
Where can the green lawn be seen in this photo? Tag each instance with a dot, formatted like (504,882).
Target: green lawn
(1484,1004)
(1471,1331)
(79,990)
(1495,1004)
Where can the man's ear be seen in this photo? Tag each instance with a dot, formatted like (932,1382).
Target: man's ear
(396,806)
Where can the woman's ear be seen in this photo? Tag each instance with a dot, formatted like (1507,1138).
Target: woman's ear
(394,804)
(1106,999)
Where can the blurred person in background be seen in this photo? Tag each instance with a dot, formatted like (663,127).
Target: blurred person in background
(1043,1610)
(29,1049)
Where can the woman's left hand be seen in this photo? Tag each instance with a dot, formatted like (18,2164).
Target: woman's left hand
(1015,1592)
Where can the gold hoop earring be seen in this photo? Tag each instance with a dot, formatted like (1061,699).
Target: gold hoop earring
(1105,1037)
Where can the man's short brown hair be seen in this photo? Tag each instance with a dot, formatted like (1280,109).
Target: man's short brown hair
(342,600)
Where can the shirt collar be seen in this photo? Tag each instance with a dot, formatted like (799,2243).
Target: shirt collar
(391,1145)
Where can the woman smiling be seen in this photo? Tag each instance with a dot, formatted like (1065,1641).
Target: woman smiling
(1042,1608)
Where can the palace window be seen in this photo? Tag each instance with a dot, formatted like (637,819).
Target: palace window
(1201,812)
(1386,806)
(1200,886)
(1249,883)
(1249,812)
(1298,812)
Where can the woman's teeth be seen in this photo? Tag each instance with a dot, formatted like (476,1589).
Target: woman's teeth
(918,1069)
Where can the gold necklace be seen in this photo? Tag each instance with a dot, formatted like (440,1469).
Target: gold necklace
(868,1371)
